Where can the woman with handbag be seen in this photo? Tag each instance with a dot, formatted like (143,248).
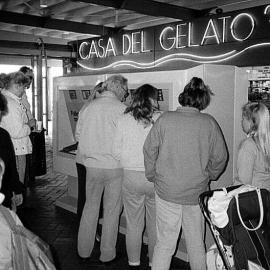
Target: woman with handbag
(253,163)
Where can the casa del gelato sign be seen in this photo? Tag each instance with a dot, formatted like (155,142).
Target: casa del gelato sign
(214,39)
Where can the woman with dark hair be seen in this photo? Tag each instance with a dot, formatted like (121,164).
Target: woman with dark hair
(137,192)
(16,121)
(184,150)
(11,183)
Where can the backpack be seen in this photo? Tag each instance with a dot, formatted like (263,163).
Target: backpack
(29,252)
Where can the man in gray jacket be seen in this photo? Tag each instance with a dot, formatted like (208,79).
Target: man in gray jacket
(103,172)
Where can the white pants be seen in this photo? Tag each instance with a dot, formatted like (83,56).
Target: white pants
(139,207)
(169,219)
(97,181)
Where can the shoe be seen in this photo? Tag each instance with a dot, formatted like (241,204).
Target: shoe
(90,261)
(134,267)
(112,262)
(82,259)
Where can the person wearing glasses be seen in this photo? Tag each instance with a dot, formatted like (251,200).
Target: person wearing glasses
(103,171)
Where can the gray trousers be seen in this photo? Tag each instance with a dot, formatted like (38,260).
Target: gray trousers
(21,166)
(170,218)
(97,181)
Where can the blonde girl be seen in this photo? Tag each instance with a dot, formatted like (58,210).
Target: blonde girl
(253,163)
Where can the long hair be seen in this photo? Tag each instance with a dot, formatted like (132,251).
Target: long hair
(258,115)
(141,107)
(196,94)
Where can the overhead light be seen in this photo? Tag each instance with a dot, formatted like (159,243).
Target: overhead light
(43,3)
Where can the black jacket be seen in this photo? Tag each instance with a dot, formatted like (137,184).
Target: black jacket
(10,181)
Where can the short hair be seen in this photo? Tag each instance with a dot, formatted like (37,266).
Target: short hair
(29,73)
(196,94)
(115,79)
(141,107)
(16,78)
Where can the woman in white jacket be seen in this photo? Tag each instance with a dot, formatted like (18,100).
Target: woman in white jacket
(16,121)
(137,191)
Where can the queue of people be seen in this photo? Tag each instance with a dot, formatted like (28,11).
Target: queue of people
(152,164)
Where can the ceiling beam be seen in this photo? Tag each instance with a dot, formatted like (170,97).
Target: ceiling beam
(34,46)
(47,22)
(149,7)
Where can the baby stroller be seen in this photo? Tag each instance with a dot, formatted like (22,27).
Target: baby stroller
(242,231)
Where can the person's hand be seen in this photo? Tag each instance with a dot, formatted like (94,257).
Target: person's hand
(18,199)
(32,123)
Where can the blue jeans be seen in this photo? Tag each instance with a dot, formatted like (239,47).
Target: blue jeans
(170,217)
(97,181)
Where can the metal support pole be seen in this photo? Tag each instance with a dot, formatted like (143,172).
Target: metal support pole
(33,60)
(39,89)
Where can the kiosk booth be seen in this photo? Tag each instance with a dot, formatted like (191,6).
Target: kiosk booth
(220,49)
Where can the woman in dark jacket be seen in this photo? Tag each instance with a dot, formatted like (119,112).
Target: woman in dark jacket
(11,182)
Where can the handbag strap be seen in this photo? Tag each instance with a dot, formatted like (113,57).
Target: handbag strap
(258,191)
(19,254)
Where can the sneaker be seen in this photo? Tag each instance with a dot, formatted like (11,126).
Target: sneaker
(98,237)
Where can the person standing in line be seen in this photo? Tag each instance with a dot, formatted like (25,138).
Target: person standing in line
(81,170)
(253,162)
(12,188)
(182,152)
(6,249)
(28,72)
(16,121)
(103,171)
(30,170)
(138,193)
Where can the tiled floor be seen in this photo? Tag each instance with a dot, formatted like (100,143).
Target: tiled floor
(59,227)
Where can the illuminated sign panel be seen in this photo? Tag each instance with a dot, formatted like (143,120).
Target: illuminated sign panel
(214,39)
